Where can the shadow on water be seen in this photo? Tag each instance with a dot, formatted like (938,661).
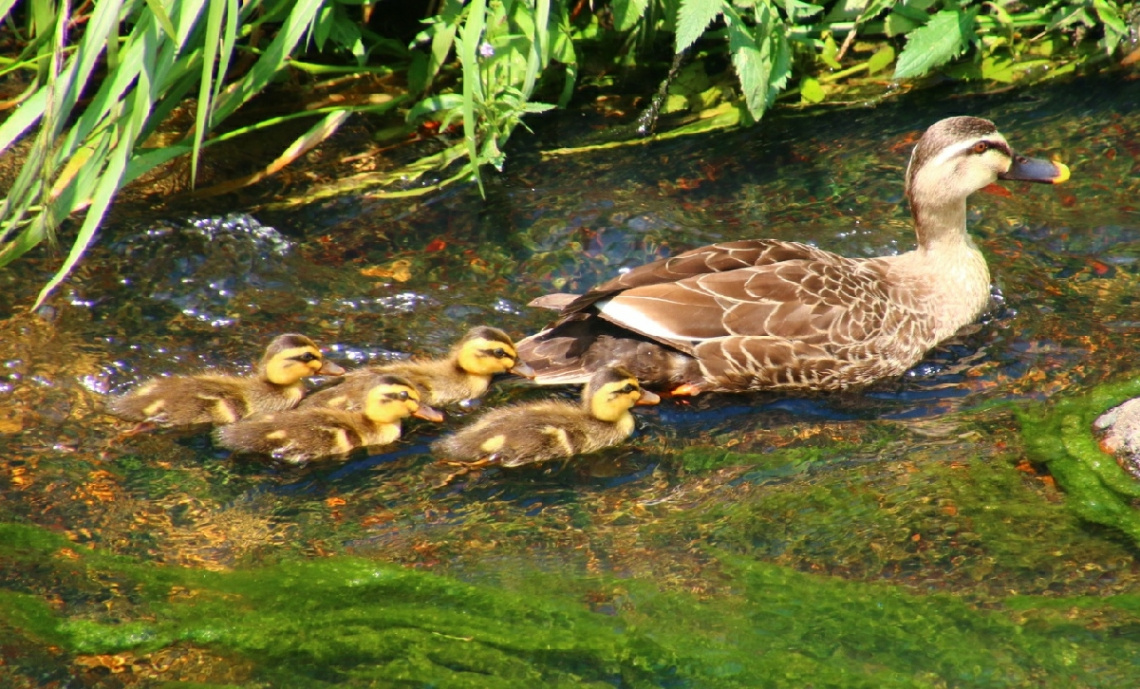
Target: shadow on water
(736,540)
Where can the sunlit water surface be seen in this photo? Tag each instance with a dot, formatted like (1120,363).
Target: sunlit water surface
(917,483)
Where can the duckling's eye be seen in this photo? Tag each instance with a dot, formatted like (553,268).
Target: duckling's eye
(980,147)
(500,353)
(630,387)
(403,396)
(307,357)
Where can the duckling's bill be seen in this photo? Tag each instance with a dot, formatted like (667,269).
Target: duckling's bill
(328,368)
(648,397)
(521,368)
(428,413)
(1036,170)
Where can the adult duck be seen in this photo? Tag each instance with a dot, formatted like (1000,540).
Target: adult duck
(767,314)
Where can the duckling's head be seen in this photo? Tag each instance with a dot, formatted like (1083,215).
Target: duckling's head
(289,358)
(392,398)
(487,351)
(611,393)
(959,155)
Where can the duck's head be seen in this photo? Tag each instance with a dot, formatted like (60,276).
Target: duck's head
(612,391)
(392,398)
(487,351)
(289,358)
(960,155)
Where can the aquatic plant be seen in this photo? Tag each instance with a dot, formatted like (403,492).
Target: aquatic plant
(1061,437)
(350,622)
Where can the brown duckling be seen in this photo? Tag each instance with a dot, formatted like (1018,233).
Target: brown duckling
(219,398)
(297,436)
(551,429)
(464,374)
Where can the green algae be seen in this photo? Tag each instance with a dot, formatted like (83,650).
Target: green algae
(975,526)
(786,461)
(352,622)
(1061,437)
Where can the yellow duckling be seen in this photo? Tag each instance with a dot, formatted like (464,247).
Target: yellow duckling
(551,429)
(464,374)
(221,399)
(300,435)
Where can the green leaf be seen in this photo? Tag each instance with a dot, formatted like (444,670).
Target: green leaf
(907,16)
(444,101)
(795,10)
(468,48)
(896,25)
(1114,27)
(945,37)
(873,9)
(830,51)
(882,59)
(628,12)
(160,16)
(811,91)
(761,57)
(693,17)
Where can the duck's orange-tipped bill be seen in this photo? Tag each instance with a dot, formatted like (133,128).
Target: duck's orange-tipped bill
(1036,170)
(1062,173)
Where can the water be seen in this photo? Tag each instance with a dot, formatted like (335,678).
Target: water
(892,537)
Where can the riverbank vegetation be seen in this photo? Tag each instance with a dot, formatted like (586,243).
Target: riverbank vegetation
(100,95)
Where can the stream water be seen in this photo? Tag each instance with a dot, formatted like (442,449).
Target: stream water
(897,536)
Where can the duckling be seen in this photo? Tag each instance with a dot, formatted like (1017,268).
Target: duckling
(221,399)
(766,314)
(551,429)
(464,374)
(297,436)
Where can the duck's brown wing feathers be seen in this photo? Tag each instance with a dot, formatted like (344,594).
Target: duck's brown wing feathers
(812,302)
(801,322)
(715,258)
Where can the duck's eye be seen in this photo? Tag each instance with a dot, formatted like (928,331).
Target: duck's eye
(403,396)
(630,387)
(980,147)
(500,353)
(307,357)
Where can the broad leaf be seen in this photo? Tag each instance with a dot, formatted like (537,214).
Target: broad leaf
(628,12)
(811,91)
(882,59)
(1114,27)
(873,9)
(945,37)
(693,17)
(761,57)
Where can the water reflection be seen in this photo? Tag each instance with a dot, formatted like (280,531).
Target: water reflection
(909,482)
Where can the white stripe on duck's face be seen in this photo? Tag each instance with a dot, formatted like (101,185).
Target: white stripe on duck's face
(959,169)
